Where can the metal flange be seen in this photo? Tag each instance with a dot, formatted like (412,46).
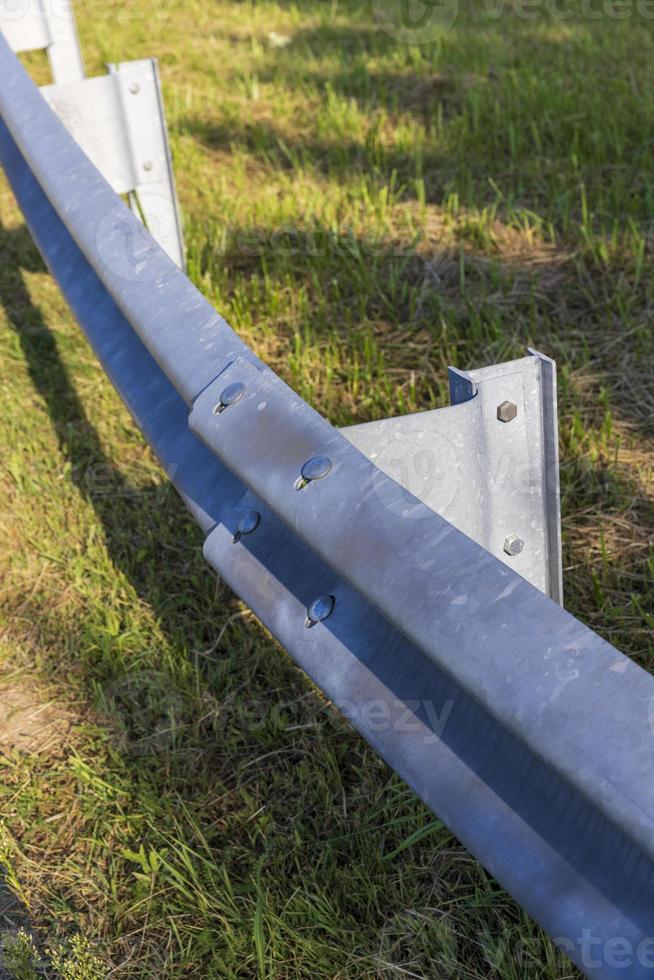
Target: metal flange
(488,464)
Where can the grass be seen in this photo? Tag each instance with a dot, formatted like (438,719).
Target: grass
(364,212)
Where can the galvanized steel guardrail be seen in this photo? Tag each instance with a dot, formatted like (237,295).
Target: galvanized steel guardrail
(529,735)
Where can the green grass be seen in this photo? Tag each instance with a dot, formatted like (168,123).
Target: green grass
(364,212)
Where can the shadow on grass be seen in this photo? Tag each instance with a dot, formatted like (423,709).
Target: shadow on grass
(372,155)
(147,530)
(13,917)
(516,122)
(124,512)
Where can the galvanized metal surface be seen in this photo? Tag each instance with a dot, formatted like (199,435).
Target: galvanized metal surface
(527,733)
(124,256)
(119,122)
(489,478)
(37,25)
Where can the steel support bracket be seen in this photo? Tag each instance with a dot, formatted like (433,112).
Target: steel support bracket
(488,464)
(118,120)
(44,25)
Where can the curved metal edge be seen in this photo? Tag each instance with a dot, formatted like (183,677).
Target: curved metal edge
(207,487)
(569,867)
(544,675)
(189,340)
(574,871)
(552,498)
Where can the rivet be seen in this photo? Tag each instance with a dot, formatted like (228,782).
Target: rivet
(320,609)
(135,88)
(229,396)
(507,411)
(513,545)
(314,469)
(248,523)
(148,165)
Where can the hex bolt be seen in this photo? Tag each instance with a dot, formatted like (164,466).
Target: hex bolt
(320,609)
(513,545)
(229,396)
(507,411)
(314,469)
(135,88)
(248,523)
(148,165)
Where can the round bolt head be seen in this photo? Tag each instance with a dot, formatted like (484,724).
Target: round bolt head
(248,522)
(513,545)
(135,88)
(316,468)
(229,396)
(320,609)
(148,165)
(507,411)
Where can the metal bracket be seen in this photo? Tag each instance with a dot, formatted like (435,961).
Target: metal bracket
(118,120)
(488,464)
(37,25)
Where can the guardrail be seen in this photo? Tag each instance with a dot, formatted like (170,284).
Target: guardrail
(525,732)
(118,119)
(42,25)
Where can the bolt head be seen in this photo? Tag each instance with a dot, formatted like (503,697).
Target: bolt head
(248,522)
(232,394)
(316,468)
(320,609)
(513,545)
(148,165)
(507,411)
(135,88)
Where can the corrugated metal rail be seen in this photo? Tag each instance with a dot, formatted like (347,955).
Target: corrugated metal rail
(525,732)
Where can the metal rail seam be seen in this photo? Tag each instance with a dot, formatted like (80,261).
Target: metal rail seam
(419,607)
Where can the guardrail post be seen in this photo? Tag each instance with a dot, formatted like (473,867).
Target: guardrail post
(488,464)
(118,120)
(37,25)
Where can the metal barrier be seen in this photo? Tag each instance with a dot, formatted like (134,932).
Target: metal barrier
(45,25)
(525,732)
(118,119)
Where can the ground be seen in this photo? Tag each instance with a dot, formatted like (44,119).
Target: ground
(364,210)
